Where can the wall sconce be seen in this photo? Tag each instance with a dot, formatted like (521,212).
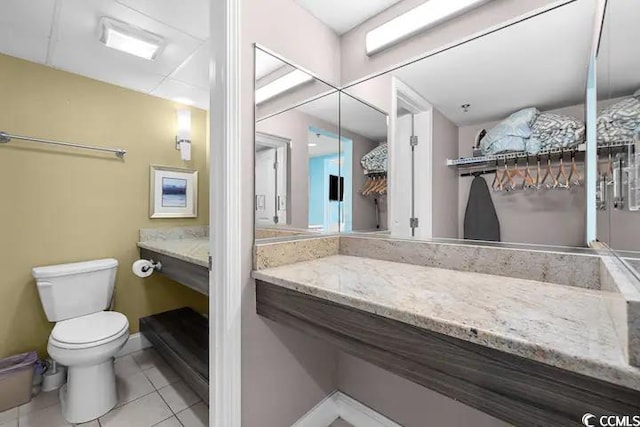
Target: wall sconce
(183,138)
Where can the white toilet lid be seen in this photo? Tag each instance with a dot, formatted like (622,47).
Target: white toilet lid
(90,328)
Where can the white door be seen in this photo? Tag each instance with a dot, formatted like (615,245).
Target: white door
(281,184)
(410,170)
(266,196)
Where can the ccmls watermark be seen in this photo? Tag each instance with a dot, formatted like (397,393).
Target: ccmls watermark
(591,420)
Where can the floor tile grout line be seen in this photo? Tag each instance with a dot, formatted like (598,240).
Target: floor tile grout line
(132,400)
(125,404)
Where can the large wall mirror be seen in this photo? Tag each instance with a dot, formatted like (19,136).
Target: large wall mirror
(297,143)
(618,130)
(320,162)
(486,139)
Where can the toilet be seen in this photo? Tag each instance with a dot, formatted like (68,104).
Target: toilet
(85,337)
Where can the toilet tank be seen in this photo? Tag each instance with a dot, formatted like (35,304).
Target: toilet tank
(76,289)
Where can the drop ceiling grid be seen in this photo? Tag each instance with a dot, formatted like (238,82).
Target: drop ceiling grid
(63,34)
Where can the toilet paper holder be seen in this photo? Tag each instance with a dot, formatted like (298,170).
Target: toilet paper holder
(156,266)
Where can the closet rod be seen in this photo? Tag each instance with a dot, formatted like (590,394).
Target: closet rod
(7,137)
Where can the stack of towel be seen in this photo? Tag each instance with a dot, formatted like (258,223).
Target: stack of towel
(620,122)
(530,131)
(376,159)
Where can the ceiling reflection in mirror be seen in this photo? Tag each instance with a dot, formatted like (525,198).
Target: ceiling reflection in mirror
(486,139)
(618,131)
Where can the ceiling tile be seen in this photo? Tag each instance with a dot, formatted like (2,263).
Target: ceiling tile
(195,70)
(77,48)
(342,16)
(25,28)
(190,16)
(184,93)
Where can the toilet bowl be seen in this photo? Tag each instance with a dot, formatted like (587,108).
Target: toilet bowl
(85,338)
(87,346)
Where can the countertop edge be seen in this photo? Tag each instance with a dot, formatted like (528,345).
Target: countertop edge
(153,245)
(617,374)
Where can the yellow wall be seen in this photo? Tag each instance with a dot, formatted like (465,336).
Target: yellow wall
(61,205)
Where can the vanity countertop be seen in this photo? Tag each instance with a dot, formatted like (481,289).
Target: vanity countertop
(193,250)
(563,326)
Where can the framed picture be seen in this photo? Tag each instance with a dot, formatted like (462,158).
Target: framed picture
(173,192)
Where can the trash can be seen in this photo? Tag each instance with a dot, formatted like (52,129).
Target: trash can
(16,376)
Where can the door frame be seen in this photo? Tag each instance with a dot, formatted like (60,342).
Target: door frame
(225,213)
(403,96)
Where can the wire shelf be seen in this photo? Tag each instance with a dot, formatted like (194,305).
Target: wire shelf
(483,160)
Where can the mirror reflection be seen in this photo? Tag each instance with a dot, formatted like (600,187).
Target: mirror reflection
(297,163)
(486,139)
(364,163)
(618,131)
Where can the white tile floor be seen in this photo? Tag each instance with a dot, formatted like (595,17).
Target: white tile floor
(150,393)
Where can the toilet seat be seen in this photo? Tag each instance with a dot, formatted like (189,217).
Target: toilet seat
(89,331)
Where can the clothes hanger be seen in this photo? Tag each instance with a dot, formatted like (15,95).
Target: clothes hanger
(516,173)
(497,178)
(368,185)
(380,184)
(548,173)
(610,171)
(574,171)
(561,174)
(496,185)
(506,175)
(528,178)
(538,173)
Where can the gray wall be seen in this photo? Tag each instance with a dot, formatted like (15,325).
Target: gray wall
(364,211)
(445,185)
(407,403)
(551,217)
(356,64)
(284,373)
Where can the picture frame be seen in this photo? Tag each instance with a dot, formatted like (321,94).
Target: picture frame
(173,192)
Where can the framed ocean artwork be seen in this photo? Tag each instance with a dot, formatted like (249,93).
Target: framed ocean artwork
(173,192)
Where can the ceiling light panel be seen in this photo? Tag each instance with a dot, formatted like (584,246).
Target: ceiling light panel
(78,48)
(418,19)
(281,85)
(130,39)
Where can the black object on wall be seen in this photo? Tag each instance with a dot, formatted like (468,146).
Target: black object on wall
(336,186)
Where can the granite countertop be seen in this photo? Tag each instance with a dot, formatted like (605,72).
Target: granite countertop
(193,250)
(190,244)
(564,326)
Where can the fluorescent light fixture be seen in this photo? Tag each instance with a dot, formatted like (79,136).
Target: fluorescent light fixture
(311,144)
(282,84)
(127,38)
(418,19)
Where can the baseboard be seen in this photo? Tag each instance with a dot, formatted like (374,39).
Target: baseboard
(360,415)
(339,405)
(136,342)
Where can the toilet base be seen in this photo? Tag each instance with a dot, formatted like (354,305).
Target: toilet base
(90,392)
